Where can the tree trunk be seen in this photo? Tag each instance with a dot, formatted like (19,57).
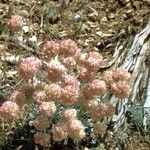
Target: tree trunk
(135,60)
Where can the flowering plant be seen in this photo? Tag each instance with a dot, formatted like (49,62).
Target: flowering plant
(72,83)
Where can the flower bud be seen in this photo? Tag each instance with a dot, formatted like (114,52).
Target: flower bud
(15,22)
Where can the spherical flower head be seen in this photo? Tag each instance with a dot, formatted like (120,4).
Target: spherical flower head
(29,67)
(99,128)
(76,129)
(86,75)
(78,136)
(93,61)
(19,97)
(121,89)
(71,80)
(69,62)
(69,95)
(100,111)
(121,74)
(9,111)
(106,110)
(41,123)
(107,76)
(15,22)
(55,70)
(53,91)
(59,131)
(41,139)
(68,47)
(95,114)
(96,87)
(95,54)
(47,109)
(69,114)
(39,96)
(51,48)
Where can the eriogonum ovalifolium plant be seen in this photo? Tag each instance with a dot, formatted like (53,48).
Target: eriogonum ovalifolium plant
(71,78)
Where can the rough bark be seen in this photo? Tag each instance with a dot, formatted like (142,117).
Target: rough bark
(135,60)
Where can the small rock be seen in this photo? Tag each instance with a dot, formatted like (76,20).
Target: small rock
(92,17)
(20,38)
(63,33)
(129,11)
(124,16)
(12,59)
(24,13)
(7,85)
(114,118)
(92,24)
(99,33)
(33,39)
(77,17)
(25,29)
(11,74)
(85,28)
(104,19)
(111,16)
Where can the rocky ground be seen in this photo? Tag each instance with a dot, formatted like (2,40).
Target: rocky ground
(93,24)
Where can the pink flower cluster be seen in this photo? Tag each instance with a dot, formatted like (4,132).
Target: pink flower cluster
(73,77)
(39,96)
(120,74)
(99,111)
(51,48)
(86,75)
(47,108)
(71,80)
(15,22)
(69,62)
(53,91)
(41,123)
(9,111)
(93,61)
(96,87)
(121,89)
(59,131)
(69,114)
(69,95)
(29,67)
(55,70)
(69,127)
(119,81)
(76,129)
(66,47)
(42,139)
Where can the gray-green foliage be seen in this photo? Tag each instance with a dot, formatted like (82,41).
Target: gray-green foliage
(137,117)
